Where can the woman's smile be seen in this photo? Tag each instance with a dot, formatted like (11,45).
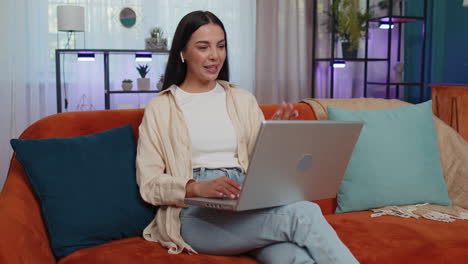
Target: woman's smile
(212,68)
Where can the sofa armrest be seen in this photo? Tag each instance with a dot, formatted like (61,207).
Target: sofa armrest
(24,236)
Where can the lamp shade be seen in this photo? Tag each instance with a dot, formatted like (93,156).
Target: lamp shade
(70,18)
(465,3)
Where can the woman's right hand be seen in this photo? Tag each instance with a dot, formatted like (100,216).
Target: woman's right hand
(285,112)
(219,187)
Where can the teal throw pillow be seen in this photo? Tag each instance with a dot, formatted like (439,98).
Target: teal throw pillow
(86,187)
(395,161)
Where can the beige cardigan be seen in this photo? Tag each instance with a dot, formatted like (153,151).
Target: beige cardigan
(164,154)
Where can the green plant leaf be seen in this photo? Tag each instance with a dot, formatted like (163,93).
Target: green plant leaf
(348,22)
(143,70)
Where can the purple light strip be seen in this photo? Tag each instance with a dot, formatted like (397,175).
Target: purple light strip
(386,26)
(339,64)
(86,56)
(143,56)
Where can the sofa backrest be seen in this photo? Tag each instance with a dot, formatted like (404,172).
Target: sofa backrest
(72,124)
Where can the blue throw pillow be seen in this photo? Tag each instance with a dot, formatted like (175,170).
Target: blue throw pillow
(396,159)
(86,187)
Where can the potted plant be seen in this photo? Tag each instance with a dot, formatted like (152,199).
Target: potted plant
(143,82)
(349,25)
(127,85)
(384,7)
(159,86)
(157,40)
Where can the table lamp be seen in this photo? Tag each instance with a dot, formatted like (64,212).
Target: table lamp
(70,19)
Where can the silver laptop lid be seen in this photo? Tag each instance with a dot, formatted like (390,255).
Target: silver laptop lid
(297,160)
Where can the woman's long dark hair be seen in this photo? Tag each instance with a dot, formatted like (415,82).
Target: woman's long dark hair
(175,69)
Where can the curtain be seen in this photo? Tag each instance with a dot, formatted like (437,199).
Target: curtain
(30,37)
(284,47)
(445,57)
(27,90)
(434,65)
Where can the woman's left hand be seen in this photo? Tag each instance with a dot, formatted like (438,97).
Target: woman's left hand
(285,112)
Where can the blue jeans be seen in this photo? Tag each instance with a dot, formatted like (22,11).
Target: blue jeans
(294,233)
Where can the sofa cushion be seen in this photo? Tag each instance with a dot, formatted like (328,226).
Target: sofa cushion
(382,240)
(86,187)
(392,239)
(138,250)
(396,159)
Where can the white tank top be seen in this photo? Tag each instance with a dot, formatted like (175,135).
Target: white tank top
(214,142)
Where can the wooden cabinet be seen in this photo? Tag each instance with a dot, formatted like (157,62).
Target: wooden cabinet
(450,103)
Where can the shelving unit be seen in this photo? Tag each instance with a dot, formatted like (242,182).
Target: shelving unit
(390,19)
(106,54)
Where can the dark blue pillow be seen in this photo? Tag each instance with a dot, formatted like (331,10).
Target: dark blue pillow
(86,187)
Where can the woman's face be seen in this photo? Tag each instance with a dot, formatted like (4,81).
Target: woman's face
(205,53)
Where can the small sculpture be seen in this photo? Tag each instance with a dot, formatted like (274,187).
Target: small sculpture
(398,68)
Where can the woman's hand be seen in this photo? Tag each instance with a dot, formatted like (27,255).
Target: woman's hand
(285,112)
(218,187)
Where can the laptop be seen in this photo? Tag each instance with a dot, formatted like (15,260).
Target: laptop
(293,160)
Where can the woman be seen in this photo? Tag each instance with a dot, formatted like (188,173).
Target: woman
(195,140)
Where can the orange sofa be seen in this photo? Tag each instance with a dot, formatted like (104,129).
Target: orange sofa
(381,240)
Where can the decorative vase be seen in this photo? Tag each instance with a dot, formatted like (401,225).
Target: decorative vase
(398,68)
(159,86)
(347,54)
(156,44)
(127,86)
(143,84)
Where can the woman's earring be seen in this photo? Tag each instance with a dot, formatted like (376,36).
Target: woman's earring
(182,57)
